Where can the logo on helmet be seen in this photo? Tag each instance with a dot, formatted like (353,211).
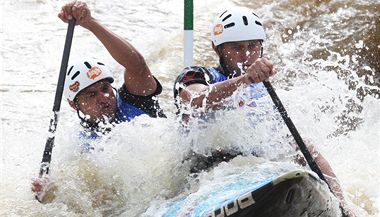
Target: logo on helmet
(74,87)
(218,29)
(94,72)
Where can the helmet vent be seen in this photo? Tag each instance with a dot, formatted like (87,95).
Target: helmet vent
(229,25)
(245,21)
(75,75)
(222,14)
(258,23)
(101,63)
(255,15)
(228,16)
(71,68)
(88,65)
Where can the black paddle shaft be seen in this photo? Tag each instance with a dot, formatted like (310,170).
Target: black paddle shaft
(46,158)
(293,130)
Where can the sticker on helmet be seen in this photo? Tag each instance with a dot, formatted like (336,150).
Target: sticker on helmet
(74,87)
(218,29)
(94,72)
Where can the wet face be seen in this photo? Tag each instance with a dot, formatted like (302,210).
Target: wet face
(97,102)
(236,57)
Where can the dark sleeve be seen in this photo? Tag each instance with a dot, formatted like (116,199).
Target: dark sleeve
(191,75)
(149,104)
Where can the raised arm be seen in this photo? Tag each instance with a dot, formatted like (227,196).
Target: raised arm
(137,76)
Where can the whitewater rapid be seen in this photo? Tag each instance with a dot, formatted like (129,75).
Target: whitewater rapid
(325,53)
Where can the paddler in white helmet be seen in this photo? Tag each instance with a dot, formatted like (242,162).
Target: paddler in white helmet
(88,82)
(237,37)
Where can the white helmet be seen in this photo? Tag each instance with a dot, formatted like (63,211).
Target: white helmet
(83,74)
(237,24)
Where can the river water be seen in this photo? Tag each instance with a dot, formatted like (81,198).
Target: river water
(327,54)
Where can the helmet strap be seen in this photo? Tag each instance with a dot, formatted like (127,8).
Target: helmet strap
(92,126)
(86,123)
(225,71)
(222,64)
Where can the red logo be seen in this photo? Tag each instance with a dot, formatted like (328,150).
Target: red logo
(218,29)
(94,72)
(188,77)
(74,87)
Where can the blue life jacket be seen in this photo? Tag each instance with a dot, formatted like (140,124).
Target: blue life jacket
(126,111)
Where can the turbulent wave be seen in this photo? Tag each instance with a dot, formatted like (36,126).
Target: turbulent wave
(327,58)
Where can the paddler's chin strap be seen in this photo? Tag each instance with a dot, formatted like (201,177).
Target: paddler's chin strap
(94,126)
(85,122)
(222,65)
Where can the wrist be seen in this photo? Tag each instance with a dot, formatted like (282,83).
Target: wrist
(245,79)
(89,24)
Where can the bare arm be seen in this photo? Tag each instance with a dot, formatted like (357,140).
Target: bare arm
(330,176)
(137,77)
(213,95)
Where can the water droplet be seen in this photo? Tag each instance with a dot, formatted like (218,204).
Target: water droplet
(359,45)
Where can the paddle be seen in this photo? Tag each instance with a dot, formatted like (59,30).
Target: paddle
(46,158)
(297,137)
(293,130)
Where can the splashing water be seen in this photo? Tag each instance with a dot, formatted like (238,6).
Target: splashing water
(327,57)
